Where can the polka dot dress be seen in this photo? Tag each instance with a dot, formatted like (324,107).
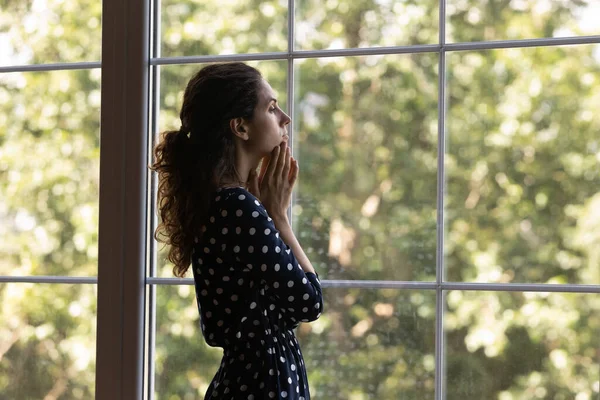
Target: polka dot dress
(251,294)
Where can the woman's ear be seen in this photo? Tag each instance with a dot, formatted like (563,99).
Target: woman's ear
(239,128)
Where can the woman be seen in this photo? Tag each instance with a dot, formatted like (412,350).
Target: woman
(254,283)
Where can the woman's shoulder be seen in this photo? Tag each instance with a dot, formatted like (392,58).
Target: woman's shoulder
(235,197)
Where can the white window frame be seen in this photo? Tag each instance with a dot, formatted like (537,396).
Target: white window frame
(130,90)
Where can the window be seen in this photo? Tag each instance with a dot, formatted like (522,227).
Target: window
(448,195)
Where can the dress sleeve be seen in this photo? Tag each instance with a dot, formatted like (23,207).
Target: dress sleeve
(256,243)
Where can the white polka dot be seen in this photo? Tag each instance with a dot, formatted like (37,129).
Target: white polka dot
(212,219)
(219,261)
(218,198)
(240,281)
(253,305)
(305,310)
(317,306)
(239,213)
(255,214)
(219,291)
(256,202)
(306,296)
(284,394)
(204,292)
(251,397)
(243,388)
(271,395)
(238,335)
(290,266)
(281,359)
(241,197)
(263,267)
(206,250)
(277,249)
(250,249)
(277,267)
(276,285)
(220,323)
(265,249)
(234,297)
(289,379)
(272,307)
(224,213)
(208,314)
(267,231)
(290,283)
(211,271)
(226,278)
(236,249)
(224,231)
(252,231)
(271,370)
(304,280)
(212,241)
(293,367)
(238,230)
(291,298)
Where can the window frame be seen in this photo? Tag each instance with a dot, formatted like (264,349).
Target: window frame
(126,313)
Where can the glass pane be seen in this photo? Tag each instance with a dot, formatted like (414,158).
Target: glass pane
(336,24)
(213,27)
(49,169)
(367,344)
(523,167)
(372,344)
(173,80)
(366,141)
(184,363)
(478,20)
(522,345)
(49,31)
(47,341)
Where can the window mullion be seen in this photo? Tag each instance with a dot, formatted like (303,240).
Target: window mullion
(123,177)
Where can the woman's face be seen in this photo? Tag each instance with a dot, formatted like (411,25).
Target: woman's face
(268,127)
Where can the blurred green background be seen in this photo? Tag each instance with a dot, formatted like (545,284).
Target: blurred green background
(522,194)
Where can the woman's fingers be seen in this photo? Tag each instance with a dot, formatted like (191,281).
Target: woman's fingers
(293,175)
(273,162)
(287,163)
(263,167)
(281,160)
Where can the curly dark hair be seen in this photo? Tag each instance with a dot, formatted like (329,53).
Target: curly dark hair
(192,162)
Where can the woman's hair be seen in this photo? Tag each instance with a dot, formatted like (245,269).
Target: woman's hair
(193,161)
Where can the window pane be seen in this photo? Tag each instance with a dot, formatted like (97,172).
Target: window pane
(336,24)
(47,341)
(223,27)
(470,20)
(522,345)
(367,344)
(184,363)
(173,80)
(366,141)
(523,166)
(48,31)
(49,164)
(372,344)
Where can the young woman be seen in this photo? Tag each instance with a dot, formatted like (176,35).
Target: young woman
(254,283)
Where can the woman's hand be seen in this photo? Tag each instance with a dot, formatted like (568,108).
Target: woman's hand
(275,182)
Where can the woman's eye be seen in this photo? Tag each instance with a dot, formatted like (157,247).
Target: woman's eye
(272,109)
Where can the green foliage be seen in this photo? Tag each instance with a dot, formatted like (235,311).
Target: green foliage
(522,197)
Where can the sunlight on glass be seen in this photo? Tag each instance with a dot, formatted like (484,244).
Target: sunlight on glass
(223,27)
(523,196)
(509,345)
(335,24)
(366,140)
(49,31)
(469,20)
(49,160)
(47,346)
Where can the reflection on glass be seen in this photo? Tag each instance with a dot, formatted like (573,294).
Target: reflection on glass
(47,341)
(173,80)
(522,165)
(217,27)
(522,345)
(366,140)
(49,171)
(371,344)
(42,32)
(367,344)
(478,20)
(336,24)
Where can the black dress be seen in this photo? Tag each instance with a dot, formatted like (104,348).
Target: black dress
(251,294)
